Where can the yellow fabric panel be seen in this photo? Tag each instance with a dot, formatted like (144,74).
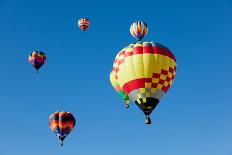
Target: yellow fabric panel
(147,85)
(117,58)
(166,83)
(172,63)
(139,95)
(159,86)
(157,64)
(144,100)
(153,90)
(165,59)
(148,61)
(155,80)
(130,67)
(148,69)
(142,90)
(146,42)
(148,57)
(148,94)
(170,82)
(121,57)
(169,74)
(138,58)
(129,59)
(163,77)
(148,65)
(158,58)
(165,63)
(139,71)
(112,79)
(123,75)
(157,68)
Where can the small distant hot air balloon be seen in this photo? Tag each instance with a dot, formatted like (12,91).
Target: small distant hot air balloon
(83,24)
(139,30)
(37,59)
(62,123)
(119,90)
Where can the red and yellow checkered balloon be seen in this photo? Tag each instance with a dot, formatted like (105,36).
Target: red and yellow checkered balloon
(145,71)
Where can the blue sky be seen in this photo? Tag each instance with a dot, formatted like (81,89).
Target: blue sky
(194,118)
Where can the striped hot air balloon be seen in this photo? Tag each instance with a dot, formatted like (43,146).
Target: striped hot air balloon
(37,59)
(145,71)
(83,24)
(119,89)
(138,30)
(62,123)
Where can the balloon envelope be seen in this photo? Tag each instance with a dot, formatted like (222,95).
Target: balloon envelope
(138,30)
(62,123)
(145,71)
(37,59)
(83,24)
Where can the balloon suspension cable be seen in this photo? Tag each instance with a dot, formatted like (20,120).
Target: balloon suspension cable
(37,71)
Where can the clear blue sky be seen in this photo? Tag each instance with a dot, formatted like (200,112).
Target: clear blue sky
(194,118)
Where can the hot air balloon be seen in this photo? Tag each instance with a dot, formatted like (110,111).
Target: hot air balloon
(83,24)
(119,90)
(139,30)
(37,59)
(145,71)
(62,123)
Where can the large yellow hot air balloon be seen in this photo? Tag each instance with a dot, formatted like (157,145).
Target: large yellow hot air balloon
(145,71)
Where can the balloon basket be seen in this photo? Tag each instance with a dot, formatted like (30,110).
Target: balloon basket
(148,120)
